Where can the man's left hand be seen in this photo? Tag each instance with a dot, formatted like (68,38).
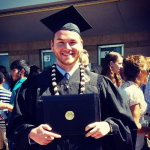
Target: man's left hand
(98,129)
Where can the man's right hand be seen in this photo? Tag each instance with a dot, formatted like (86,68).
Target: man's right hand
(6,106)
(42,134)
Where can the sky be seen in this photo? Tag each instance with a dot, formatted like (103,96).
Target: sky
(6,4)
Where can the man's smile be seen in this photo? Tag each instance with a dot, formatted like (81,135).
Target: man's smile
(67,54)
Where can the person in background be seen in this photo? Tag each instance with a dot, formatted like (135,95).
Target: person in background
(146,91)
(19,71)
(122,72)
(5,96)
(84,59)
(34,70)
(96,69)
(136,72)
(112,65)
(6,84)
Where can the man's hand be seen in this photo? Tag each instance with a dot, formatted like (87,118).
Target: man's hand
(3,105)
(6,106)
(98,129)
(42,134)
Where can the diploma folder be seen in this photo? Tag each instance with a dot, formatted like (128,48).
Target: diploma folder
(70,114)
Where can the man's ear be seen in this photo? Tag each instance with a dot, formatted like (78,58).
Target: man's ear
(52,45)
(111,63)
(3,80)
(22,72)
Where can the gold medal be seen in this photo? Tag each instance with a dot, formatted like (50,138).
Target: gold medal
(69,115)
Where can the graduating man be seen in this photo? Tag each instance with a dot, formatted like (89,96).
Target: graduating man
(115,131)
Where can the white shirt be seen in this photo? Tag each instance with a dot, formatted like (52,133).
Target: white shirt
(133,94)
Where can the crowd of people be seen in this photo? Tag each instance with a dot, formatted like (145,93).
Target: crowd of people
(120,96)
(9,86)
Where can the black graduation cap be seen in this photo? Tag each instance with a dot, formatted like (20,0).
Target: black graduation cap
(67,19)
(34,68)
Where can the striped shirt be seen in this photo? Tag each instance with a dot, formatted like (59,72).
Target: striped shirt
(5,96)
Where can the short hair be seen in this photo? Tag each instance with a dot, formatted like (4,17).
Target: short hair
(21,64)
(132,66)
(53,37)
(2,67)
(1,77)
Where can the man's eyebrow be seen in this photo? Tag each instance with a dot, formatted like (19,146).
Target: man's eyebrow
(64,39)
(72,40)
(59,39)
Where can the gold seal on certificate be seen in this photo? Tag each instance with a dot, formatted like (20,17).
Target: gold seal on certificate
(69,115)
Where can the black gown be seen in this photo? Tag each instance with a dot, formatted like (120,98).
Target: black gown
(28,113)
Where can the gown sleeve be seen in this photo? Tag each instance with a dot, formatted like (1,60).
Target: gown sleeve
(115,110)
(22,119)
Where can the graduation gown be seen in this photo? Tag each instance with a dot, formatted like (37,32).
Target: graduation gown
(28,113)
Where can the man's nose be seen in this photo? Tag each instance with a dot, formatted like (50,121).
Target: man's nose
(67,46)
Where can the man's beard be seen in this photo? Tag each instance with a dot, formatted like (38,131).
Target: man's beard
(68,63)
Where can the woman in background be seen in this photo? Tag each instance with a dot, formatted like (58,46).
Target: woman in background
(136,73)
(84,59)
(111,69)
(146,92)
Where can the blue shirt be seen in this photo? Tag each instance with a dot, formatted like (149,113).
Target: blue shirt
(6,85)
(60,70)
(71,72)
(15,89)
(14,92)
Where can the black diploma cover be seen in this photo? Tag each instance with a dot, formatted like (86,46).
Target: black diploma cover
(70,114)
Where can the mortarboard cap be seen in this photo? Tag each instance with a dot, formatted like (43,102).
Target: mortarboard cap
(67,19)
(34,68)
